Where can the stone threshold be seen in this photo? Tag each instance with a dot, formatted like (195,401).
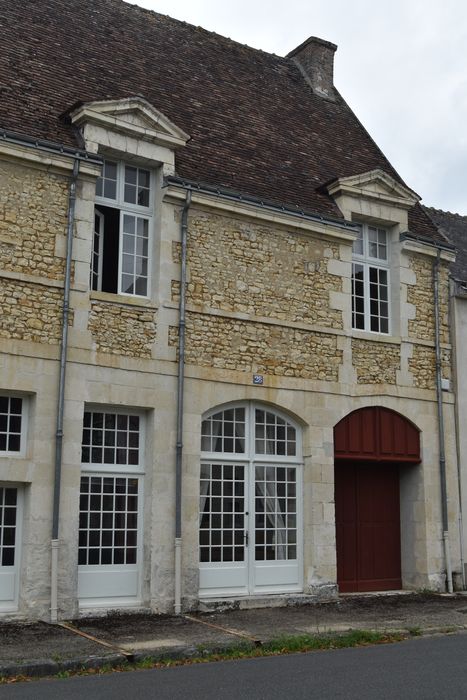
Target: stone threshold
(376,594)
(272,600)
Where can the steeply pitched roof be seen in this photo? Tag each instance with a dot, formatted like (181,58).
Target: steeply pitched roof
(256,127)
(454,227)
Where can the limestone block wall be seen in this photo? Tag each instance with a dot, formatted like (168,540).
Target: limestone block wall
(31,312)
(224,343)
(122,330)
(375,362)
(33,212)
(422,364)
(241,266)
(259,271)
(421,295)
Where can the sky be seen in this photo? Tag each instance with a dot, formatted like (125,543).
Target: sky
(401,65)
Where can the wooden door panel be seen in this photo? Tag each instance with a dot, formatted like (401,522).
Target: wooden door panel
(346,524)
(367,527)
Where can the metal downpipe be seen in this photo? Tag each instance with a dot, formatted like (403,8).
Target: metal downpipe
(457,430)
(180,399)
(442,452)
(61,396)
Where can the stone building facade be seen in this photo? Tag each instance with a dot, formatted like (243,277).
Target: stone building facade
(296,324)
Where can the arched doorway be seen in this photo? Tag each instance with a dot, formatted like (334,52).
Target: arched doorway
(250,536)
(371,445)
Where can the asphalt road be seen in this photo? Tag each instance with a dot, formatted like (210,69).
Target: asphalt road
(420,669)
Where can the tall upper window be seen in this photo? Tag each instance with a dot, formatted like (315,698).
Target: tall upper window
(122,228)
(370,280)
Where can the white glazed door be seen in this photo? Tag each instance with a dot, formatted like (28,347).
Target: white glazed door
(224,528)
(275,565)
(11,500)
(110,517)
(250,504)
(109,539)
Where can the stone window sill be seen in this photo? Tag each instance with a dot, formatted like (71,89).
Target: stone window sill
(123,300)
(376,337)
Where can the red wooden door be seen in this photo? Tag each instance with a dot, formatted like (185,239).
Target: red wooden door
(367,527)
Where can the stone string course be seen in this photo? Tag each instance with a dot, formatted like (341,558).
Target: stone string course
(245,267)
(121,330)
(421,294)
(221,343)
(31,312)
(33,212)
(374,362)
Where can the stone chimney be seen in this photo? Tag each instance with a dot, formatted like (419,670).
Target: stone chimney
(315,59)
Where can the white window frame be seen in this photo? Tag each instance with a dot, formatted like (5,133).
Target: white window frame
(24,420)
(101,528)
(97,274)
(368,262)
(113,468)
(134,210)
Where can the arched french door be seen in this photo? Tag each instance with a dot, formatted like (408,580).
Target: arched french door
(371,445)
(250,536)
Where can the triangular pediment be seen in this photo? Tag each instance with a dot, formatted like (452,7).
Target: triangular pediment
(375,185)
(132,116)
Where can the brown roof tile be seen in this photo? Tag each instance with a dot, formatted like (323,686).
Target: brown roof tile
(454,228)
(256,126)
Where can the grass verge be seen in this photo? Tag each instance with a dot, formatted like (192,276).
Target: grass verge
(292,644)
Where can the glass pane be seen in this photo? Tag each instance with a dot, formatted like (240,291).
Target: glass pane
(141,286)
(130,175)
(142,227)
(128,262)
(14,443)
(141,266)
(129,242)
(143,197)
(357,247)
(127,284)
(16,406)
(130,194)
(10,496)
(129,224)
(110,170)
(141,246)
(110,189)
(144,178)
(8,556)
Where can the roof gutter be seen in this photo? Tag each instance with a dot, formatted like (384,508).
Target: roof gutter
(408,236)
(16,139)
(232,196)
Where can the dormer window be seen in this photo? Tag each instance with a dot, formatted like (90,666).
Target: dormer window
(122,229)
(370,280)
(126,191)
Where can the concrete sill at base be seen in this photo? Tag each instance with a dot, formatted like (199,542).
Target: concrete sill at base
(267,601)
